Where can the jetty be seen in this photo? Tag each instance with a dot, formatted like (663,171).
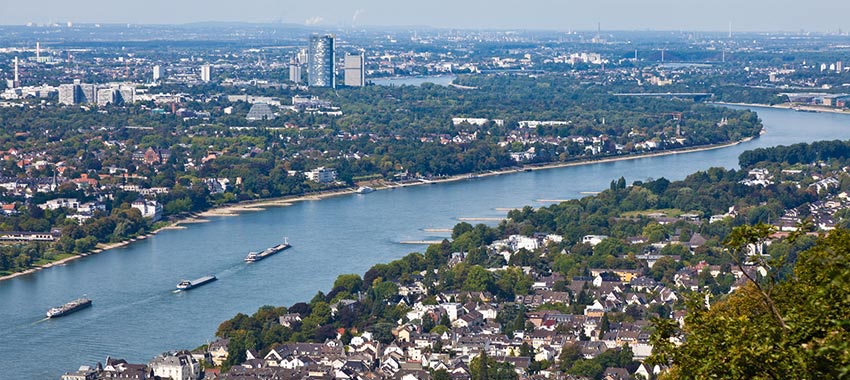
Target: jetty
(437,229)
(420,242)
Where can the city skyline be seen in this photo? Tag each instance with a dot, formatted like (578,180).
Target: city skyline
(758,15)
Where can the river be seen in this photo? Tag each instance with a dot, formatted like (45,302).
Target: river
(441,80)
(136,314)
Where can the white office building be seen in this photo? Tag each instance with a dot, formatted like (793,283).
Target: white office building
(354,70)
(205,73)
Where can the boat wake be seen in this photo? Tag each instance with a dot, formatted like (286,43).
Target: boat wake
(39,321)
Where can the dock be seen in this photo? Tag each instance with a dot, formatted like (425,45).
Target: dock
(481,219)
(507,208)
(437,229)
(551,200)
(421,242)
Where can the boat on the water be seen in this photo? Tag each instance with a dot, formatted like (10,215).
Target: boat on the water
(186,284)
(257,256)
(68,308)
(364,190)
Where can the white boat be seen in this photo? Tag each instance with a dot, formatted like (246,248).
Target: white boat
(364,190)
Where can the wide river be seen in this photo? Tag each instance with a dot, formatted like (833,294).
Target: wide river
(136,314)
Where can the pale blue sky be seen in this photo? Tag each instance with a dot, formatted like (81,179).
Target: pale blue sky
(745,15)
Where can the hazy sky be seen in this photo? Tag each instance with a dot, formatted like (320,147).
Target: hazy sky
(745,15)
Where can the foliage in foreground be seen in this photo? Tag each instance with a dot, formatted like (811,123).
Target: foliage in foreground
(807,336)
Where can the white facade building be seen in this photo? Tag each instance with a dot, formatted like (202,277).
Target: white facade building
(321,175)
(181,366)
(205,73)
(148,208)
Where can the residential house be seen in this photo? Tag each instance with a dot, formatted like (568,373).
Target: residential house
(218,351)
(177,366)
(149,208)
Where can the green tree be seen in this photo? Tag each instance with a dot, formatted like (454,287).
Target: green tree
(794,326)
(484,368)
(440,374)
(349,282)
(478,279)
(569,354)
(604,324)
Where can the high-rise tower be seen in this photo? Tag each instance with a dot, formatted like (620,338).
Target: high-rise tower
(16,82)
(294,71)
(205,73)
(354,70)
(320,62)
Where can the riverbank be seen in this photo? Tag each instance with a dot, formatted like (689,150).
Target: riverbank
(790,106)
(259,205)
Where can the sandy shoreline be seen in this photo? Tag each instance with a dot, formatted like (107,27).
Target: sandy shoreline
(260,205)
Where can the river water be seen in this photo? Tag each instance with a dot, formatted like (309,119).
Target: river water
(442,80)
(136,314)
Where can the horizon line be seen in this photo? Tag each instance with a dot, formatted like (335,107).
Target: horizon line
(63,24)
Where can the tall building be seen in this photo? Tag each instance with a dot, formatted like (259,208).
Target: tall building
(106,96)
(67,94)
(320,62)
(355,74)
(301,57)
(77,93)
(126,94)
(294,72)
(205,73)
(17,82)
(87,93)
(157,73)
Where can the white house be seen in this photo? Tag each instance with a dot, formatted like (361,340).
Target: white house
(54,204)
(593,240)
(321,175)
(148,208)
(180,366)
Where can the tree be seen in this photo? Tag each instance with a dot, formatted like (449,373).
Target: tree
(484,368)
(440,374)
(445,321)
(478,279)
(793,326)
(349,282)
(569,354)
(604,324)
(480,370)
(526,350)
(586,368)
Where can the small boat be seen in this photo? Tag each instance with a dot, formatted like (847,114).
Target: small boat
(68,308)
(186,284)
(364,190)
